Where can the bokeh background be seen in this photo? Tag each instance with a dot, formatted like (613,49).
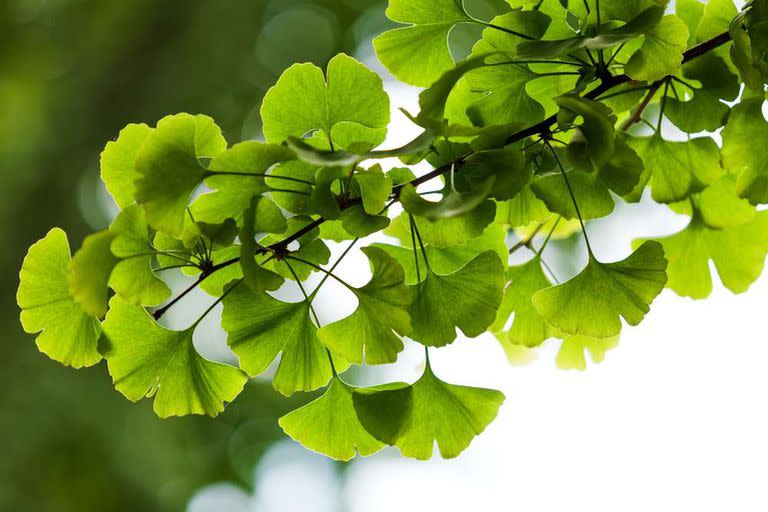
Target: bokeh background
(672,420)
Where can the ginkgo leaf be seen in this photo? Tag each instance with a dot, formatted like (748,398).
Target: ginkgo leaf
(450,231)
(146,360)
(238,174)
(69,334)
(349,104)
(370,334)
(259,327)
(674,170)
(662,51)
(639,22)
(118,170)
(504,99)
(523,209)
(703,111)
(745,125)
(374,188)
(467,299)
(592,196)
(414,417)
(132,277)
(593,302)
(446,260)
(737,251)
(256,277)
(528,327)
(92,265)
(419,53)
(591,144)
(169,167)
(452,203)
(531,23)
(573,350)
(329,425)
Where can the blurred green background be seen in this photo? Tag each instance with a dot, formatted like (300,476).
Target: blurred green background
(72,73)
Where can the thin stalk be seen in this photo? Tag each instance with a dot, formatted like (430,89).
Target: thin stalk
(573,196)
(321,269)
(259,175)
(216,302)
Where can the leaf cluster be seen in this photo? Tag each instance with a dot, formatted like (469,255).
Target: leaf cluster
(555,117)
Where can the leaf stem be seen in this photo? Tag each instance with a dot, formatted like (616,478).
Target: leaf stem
(573,196)
(321,269)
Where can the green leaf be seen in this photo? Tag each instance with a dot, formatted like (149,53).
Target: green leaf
(133,278)
(593,302)
(69,334)
(506,166)
(348,105)
(737,251)
(740,156)
(231,194)
(467,299)
(91,266)
(298,203)
(639,23)
(453,203)
(591,144)
(357,223)
(146,360)
(450,231)
(446,260)
(504,99)
(703,111)
(170,170)
(418,54)
(523,209)
(118,171)
(414,417)
(573,350)
(662,51)
(528,327)
(259,327)
(593,197)
(370,334)
(675,170)
(256,277)
(531,23)
(373,187)
(329,425)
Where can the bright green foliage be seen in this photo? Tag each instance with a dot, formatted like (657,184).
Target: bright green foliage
(259,327)
(571,355)
(593,302)
(69,334)
(418,54)
(414,417)
(132,277)
(146,360)
(675,170)
(91,268)
(370,333)
(528,327)
(117,163)
(348,106)
(738,252)
(169,167)
(238,174)
(740,156)
(661,52)
(467,299)
(330,425)
(554,118)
